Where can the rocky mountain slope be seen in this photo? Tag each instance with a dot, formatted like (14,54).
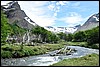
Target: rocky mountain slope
(92,22)
(18,16)
(19,22)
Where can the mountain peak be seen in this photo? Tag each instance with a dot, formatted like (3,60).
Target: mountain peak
(92,22)
(14,4)
(94,18)
(15,14)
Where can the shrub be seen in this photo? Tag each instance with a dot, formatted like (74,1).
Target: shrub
(18,54)
(7,49)
(6,54)
(94,46)
(92,36)
(31,52)
(35,49)
(26,52)
(79,36)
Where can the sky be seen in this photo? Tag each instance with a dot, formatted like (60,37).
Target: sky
(59,13)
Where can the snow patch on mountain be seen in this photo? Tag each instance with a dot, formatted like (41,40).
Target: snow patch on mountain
(97,19)
(29,20)
(61,29)
(92,22)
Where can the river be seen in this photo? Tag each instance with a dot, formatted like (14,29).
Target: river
(46,59)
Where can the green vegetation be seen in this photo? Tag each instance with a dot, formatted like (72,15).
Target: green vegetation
(76,44)
(62,35)
(90,37)
(11,51)
(69,37)
(16,30)
(89,60)
(44,36)
(5,28)
(79,36)
(9,29)
(82,44)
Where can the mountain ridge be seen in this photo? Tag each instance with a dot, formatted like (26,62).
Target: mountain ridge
(15,14)
(92,22)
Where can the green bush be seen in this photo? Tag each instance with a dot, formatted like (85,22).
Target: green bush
(18,54)
(7,49)
(35,49)
(92,36)
(15,52)
(31,52)
(94,46)
(79,36)
(6,54)
(26,53)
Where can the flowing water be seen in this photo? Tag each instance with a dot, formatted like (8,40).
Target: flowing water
(46,59)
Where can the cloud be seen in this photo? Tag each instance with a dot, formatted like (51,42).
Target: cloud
(55,14)
(40,12)
(63,2)
(56,6)
(49,13)
(73,19)
(51,6)
(76,4)
(44,20)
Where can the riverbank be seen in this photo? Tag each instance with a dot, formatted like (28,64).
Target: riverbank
(88,60)
(46,59)
(17,51)
(82,44)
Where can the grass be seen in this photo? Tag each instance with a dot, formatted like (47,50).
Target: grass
(76,43)
(15,51)
(82,44)
(88,60)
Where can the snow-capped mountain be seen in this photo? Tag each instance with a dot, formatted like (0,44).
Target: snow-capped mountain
(92,22)
(62,29)
(15,14)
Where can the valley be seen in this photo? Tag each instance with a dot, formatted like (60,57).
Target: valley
(26,43)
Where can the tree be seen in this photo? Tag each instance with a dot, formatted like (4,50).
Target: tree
(79,36)
(9,29)
(44,35)
(5,28)
(37,31)
(69,37)
(62,35)
(92,36)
